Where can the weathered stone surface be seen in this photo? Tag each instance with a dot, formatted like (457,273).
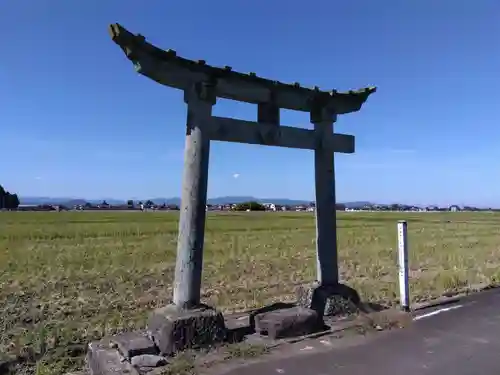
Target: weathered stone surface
(265,309)
(102,360)
(7,363)
(131,344)
(148,360)
(329,300)
(295,321)
(174,329)
(173,71)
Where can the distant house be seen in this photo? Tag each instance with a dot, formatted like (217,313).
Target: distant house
(311,207)
(454,208)
(104,204)
(300,207)
(269,206)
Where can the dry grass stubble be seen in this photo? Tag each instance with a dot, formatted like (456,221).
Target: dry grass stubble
(67,278)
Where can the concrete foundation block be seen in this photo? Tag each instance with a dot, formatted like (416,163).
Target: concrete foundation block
(102,360)
(291,322)
(329,300)
(174,329)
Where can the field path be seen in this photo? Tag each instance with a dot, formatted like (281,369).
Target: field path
(461,339)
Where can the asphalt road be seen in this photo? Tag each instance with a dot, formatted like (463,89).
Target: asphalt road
(460,339)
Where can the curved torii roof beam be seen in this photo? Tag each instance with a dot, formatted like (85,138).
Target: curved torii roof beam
(167,68)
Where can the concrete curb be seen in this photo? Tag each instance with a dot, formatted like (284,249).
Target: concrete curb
(455,297)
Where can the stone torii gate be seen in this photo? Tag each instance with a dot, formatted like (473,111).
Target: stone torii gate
(202,84)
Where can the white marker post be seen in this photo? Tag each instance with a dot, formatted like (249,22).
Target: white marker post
(404,290)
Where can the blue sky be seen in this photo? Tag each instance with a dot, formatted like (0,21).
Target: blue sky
(77,121)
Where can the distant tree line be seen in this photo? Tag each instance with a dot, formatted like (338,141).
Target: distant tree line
(250,206)
(148,204)
(7,200)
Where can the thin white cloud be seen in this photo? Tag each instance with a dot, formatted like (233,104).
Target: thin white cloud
(140,154)
(236,175)
(38,178)
(402,151)
(385,151)
(373,165)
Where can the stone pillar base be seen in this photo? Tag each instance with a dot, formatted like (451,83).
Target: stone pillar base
(174,329)
(329,300)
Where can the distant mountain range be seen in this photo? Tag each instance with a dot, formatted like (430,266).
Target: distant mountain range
(176,200)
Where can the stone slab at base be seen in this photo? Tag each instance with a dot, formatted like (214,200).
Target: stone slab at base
(266,309)
(290,322)
(329,300)
(102,360)
(131,344)
(174,329)
(148,361)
